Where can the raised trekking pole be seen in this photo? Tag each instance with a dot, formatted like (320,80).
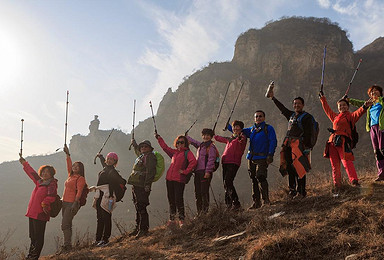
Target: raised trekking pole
(22,133)
(153,116)
(233,108)
(66,122)
(186,132)
(133,124)
(218,114)
(102,147)
(354,74)
(323,69)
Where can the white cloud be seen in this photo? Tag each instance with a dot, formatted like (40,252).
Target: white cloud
(324,3)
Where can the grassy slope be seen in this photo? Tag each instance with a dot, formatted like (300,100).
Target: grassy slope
(317,227)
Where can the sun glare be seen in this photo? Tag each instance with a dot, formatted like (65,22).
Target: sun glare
(10,58)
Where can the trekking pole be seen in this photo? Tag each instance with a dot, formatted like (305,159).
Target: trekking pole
(102,147)
(213,195)
(21,142)
(354,74)
(133,124)
(186,132)
(153,116)
(218,114)
(66,122)
(233,108)
(323,69)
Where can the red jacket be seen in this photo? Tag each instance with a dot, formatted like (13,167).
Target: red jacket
(42,194)
(178,162)
(342,124)
(234,149)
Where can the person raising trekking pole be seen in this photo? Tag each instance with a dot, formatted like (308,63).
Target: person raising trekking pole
(339,145)
(297,145)
(141,178)
(231,161)
(182,164)
(73,188)
(105,199)
(39,205)
(375,125)
(206,156)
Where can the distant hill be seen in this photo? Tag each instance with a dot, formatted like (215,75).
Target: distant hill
(288,51)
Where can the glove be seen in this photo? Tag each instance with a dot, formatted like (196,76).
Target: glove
(147,188)
(269,159)
(157,135)
(321,93)
(75,207)
(21,159)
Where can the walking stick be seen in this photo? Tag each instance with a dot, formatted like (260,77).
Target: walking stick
(218,114)
(102,147)
(66,122)
(21,142)
(233,108)
(186,132)
(213,195)
(354,74)
(153,116)
(323,70)
(133,124)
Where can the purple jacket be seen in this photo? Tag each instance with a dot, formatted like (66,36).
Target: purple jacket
(204,163)
(234,149)
(43,194)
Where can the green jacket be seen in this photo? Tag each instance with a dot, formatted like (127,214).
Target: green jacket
(144,169)
(359,103)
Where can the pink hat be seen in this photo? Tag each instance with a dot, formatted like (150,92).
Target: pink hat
(113,156)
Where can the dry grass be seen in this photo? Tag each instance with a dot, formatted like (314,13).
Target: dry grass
(317,227)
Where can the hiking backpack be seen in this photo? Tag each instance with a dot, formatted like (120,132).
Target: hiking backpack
(160,166)
(217,160)
(121,188)
(315,127)
(354,135)
(84,194)
(56,206)
(185,166)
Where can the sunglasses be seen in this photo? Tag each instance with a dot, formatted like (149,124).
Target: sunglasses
(258,116)
(180,142)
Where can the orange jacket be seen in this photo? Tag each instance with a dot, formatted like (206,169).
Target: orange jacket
(74,184)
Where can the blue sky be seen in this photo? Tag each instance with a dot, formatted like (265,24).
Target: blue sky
(107,53)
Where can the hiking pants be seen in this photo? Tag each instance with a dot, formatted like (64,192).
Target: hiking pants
(141,201)
(257,170)
(66,222)
(377,138)
(36,234)
(335,155)
(202,191)
(229,174)
(175,193)
(104,222)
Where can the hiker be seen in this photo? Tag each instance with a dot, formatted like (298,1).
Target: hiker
(73,188)
(105,197)
(262,146)
(375,125)
(141,178)
(39,205)
(231,161)
(182,164)
(339,146)
(297,145)
(206,156)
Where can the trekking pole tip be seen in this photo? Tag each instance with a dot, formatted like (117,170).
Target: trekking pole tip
(360,60)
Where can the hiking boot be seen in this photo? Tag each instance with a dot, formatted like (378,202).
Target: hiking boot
(236,207)
(380,178)
(133,232)
(102,243)
(292,194)
(142,233)
(255,205)
(356,183)
(181,223)
(171,223)
(95,243)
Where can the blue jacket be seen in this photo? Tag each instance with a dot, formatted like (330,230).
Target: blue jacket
(260,145)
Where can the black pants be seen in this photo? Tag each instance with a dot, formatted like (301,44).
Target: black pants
(296,185)
(104,222)
(202,191)
(141,201)
(258,173)
(36,234)
(229,174)
(175,193)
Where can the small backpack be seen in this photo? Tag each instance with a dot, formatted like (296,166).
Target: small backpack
(186,163)
(84,194)
(315,127)
(121,188)
(354,135)
(217,160)
(56,206)
(160,166)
